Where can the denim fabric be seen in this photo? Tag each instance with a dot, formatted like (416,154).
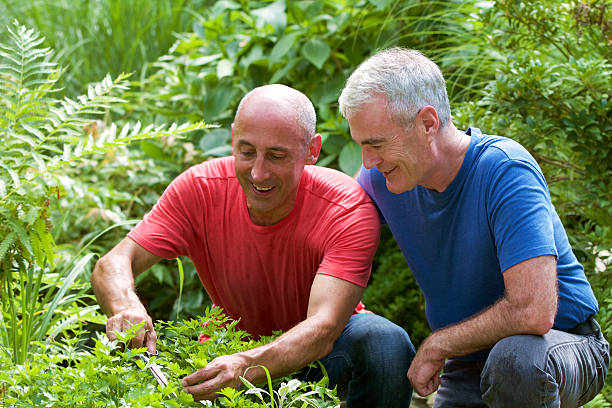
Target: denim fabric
(557,369)
(368,364)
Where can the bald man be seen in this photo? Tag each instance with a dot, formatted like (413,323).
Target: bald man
(279,244)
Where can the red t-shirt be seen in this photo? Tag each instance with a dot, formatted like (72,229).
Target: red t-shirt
(263,274)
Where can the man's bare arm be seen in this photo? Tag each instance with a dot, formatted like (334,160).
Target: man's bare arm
(529,306)
(331,304)
(113,284)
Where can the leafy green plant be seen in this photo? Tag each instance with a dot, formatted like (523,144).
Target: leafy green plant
(66,373)
(41,137)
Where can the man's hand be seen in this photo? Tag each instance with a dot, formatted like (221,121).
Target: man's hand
(424,372)
(125,319)
(222,372)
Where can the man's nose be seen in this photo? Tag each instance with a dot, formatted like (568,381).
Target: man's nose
(259,171)
(369,160)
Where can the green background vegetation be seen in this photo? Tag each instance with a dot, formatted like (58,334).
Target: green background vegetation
(76,173)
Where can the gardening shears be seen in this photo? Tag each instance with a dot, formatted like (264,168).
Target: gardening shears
(155,370)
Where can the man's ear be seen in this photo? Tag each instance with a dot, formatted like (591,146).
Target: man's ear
(232,132)
(313,149)
(429,119)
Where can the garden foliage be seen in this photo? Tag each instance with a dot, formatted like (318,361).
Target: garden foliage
(538,72)
(42,136)
(65,374)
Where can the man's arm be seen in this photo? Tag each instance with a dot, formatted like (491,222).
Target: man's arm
(529,306)
(113,283)
(330,306)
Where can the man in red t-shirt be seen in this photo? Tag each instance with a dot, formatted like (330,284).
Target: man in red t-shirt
(279,244)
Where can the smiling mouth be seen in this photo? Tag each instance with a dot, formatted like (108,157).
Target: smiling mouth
(387,173)
(261,189)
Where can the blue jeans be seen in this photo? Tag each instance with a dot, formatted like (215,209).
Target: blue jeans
(557,369)
(368,364)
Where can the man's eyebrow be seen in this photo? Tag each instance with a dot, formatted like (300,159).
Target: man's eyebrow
(279,149)
(372,141)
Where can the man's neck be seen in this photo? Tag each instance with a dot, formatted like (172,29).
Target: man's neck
(450,147)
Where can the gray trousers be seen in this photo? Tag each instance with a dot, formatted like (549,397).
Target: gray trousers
(557,369)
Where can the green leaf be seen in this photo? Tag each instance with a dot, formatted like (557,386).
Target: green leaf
(316,51)
(274,14)
(154,151)
(333,143)
(350,158)
(218,99)
(225,68)
(282,47)
(381,4)
(214,139)
(6,243)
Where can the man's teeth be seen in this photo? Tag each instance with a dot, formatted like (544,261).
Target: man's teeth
(262,188)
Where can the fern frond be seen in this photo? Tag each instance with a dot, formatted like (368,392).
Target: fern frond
(46,239)
(6,243)
(39,255)
(22,236)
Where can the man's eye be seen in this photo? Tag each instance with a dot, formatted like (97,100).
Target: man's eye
(277,156)
(246,153)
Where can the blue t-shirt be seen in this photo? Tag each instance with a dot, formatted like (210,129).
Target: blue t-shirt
(495,214)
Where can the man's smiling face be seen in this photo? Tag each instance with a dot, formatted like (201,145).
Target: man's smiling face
(270,152)
(399,153)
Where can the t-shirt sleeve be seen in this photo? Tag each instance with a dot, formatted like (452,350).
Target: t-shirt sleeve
(353,239)
(520,213)
(169,228)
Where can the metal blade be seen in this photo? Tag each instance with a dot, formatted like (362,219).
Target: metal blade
(156,371)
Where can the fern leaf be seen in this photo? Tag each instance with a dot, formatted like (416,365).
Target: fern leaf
(2,189)
(22,235)
(46,239)
(48,244)
(32,216)
(6,243)
(33,131)
(67,153)
(39,255)
(13,175)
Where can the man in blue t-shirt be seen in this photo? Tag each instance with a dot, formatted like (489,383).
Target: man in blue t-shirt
(509,305)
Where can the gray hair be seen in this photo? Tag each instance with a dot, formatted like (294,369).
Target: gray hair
(406,78)
(306,117)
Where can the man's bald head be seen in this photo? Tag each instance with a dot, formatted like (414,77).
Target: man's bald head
(285,101)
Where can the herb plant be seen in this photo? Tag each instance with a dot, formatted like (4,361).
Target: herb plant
(66,373)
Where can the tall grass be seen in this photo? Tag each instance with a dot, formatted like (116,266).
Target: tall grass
(95,38)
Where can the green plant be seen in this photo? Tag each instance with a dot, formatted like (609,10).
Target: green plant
(66,374)
(41,137)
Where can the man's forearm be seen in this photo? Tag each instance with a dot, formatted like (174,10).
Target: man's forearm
(307,342)
(113,284)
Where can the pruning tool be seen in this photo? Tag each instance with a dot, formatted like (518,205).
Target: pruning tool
(155,370)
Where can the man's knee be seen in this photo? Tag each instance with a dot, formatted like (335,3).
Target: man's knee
(373,331)
(514,373)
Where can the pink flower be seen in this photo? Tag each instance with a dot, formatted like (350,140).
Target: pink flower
(204,337)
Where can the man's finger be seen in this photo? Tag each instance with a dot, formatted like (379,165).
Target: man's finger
(151,341)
